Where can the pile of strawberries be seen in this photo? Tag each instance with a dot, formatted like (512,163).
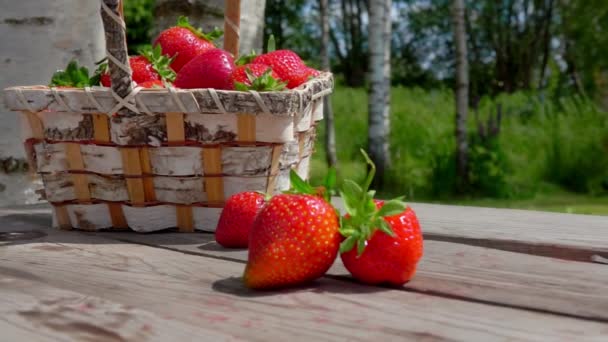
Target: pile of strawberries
(187,58)
(295,237)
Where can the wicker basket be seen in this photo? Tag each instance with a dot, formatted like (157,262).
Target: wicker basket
(152,159)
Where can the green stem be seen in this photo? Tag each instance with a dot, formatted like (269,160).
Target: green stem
(371,174)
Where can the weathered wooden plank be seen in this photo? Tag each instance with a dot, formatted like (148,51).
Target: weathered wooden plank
(33,311)
(467,272)
(566,236)
(207,293)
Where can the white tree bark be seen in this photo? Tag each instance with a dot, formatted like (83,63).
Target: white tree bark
(380,73)
(330,132)
(462,88)
(37,38)
(210,13)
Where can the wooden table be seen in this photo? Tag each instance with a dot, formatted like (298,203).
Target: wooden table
(487,275)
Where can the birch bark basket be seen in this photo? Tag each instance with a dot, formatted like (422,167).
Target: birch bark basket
(152,159)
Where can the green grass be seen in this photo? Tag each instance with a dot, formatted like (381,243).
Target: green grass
(555,200)
(551,155)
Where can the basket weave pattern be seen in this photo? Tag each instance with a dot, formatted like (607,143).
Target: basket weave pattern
(159,158)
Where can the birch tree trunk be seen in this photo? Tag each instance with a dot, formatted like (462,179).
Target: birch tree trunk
(328,113)
(379,96)
(37,38)
(462,90)
(208,14)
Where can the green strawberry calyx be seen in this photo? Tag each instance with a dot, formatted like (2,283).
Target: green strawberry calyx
(73,76)
(210,37)
(246,59)
(325,191)
(160,62)
(364,218)
(264,82)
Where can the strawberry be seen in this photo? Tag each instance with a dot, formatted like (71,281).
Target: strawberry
(387,236)
(152,84)
(184,42)
(212,69)
(287,64)
(237,219)
(294,240)
(150,65)
(258,77)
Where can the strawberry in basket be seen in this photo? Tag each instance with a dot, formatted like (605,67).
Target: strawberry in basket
(184,42)
(288,66)
(149,68)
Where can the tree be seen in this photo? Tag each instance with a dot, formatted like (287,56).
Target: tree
(328,113)
(38,39)
(380,75)
(462,89)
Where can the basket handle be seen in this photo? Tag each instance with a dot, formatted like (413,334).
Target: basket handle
(232,22)
(116,47)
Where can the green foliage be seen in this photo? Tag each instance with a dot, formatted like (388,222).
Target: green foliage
(211,36)
(487,168)
(139,16)
(364,218)
(264,82)
(160,62)
(541,142)
(73,76)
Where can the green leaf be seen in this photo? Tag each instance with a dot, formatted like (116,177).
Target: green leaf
(392,207)
(372,171)
(241,86)
(348,244)
(264,82)
(349,204)
(246,59)
(351,196)
(361,244)
(211,36)
(385,227)
(330,179)
(299,185)
(160,62)
(352,189)
(73,76)
(272,44)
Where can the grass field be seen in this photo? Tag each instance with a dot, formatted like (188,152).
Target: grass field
(551,157)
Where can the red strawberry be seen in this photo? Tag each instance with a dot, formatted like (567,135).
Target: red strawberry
(388,259)
(105,80)
(184,42)
(294,240)
(151,65)
(152,84)
(237,219)
(287,64)
(258,77)
(387,236)
(212,69)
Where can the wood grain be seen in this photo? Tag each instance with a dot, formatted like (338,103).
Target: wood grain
(116,46)
(565,236)
(466,272)
(34,311)
(208,294)
(200,102)
(232,15)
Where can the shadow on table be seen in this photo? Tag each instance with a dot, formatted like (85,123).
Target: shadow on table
(328,284)
(24,228)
